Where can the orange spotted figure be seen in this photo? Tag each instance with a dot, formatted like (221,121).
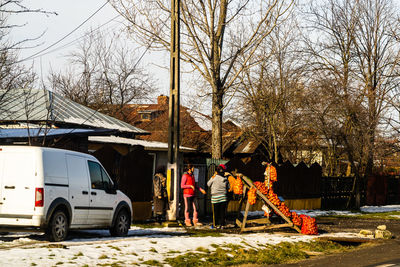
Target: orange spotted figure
(270,175)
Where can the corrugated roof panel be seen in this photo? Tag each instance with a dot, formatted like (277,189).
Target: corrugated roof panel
(22,105)
(42,105)
(40,132)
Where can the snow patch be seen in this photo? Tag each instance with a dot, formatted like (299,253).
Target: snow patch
(318,213)
(141,245)
(387,208)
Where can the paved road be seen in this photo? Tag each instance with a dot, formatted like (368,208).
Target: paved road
(385,254)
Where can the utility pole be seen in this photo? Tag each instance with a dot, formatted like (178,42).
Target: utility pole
(173,128)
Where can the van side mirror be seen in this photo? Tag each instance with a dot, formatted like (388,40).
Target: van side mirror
(112,188)
(115,186)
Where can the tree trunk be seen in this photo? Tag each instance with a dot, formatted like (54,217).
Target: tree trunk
(274,137)
(217,107)
(354,201)
(357,198)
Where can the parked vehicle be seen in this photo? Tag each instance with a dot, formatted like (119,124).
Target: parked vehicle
(55,190)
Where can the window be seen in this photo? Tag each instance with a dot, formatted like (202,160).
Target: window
(106,180)
(146,116)
(98,176)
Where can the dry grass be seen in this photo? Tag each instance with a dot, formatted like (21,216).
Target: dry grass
(232,254)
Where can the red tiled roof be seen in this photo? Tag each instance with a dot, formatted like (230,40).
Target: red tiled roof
(192,134)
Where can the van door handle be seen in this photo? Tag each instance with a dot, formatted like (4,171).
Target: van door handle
(85,192)
(9,187)
(93,193)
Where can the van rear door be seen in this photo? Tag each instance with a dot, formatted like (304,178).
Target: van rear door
(17,176)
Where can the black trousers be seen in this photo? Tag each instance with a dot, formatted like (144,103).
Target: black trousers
(219,210)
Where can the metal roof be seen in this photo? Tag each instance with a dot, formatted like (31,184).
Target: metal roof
(247,146)
(21,105)
(41,132)
(148,145)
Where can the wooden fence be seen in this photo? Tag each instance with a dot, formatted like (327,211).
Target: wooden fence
(302,182)
(335,192)
(393,190)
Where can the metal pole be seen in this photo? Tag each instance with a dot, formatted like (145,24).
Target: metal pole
(174,103)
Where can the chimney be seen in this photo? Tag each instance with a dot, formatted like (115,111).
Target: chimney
(162,100)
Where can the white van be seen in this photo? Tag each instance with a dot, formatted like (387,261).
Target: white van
(56,190)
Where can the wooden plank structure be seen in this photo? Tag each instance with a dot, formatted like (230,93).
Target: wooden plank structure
(264,223)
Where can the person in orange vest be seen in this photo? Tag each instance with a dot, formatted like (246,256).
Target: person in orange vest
(188,184)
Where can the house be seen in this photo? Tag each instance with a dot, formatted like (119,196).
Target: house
(195,127)
(43,118)
(133,163)
(195,134)
(157,150)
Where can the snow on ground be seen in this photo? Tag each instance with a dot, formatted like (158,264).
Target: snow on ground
(386,208)
(141,245)
(364,209)
(311,213)
(318,213)
(95,248)
(135,249)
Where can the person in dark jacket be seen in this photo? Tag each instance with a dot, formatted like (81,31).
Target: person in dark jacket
(160,196)
(219,188)
(188,184)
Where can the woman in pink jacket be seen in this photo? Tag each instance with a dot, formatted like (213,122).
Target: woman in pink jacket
(188,184)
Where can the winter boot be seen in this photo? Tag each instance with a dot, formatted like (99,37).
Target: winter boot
(188,223)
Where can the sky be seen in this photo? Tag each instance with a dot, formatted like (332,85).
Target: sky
(71,14)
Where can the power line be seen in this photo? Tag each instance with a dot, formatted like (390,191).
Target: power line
(134,67)
(60,40)
(76,40)
(150,44)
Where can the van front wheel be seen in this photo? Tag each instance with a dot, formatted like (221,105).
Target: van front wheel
(121,224)
(58,227)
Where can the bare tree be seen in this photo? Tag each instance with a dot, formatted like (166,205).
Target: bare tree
(10,8)
(271,91)
(12,73)
(219,38)
(378,57)
(355,63)
(103,76)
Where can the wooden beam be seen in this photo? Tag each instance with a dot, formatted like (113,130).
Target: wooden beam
(267,227)
(246,212)
(259,221)
(250,184)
